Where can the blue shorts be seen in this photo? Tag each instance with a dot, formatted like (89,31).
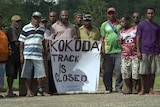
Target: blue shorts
(37,66)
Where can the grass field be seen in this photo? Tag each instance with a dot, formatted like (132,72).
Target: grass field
(16,83)
(157,82)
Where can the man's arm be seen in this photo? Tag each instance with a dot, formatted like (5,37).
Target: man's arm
(21,48)
(159,48)
(138,46)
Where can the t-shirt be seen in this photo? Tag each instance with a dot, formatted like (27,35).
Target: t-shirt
(13,35)
(128,42)
(149,33)
(59,31)
(111,39)
(32,38)
(94,34)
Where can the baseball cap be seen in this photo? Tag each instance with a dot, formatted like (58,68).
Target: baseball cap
(15,18)
(77,14)
(43,19)
(36,14)
(111,9)
(87,17)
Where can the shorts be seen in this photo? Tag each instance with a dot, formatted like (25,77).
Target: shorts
(12,68)
(129,68)
(149,64)
(29,65)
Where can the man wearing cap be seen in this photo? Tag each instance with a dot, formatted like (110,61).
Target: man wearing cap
(111,50)
(78,16)
(13,63)
(31,47)
(87,31)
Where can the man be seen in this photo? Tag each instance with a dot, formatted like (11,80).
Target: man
(52,18)
(78,16)
(3,53)
(129,62)
(31,41)
(111,50)
(148,45)
(87,31)
(136,18)
(13,63)
(63,29)
(52,88)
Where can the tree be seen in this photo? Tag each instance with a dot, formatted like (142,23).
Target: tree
(97,8)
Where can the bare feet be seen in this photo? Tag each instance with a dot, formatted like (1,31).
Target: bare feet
(141,92)
(154,92)
(30,94)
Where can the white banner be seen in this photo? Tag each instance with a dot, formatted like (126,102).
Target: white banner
(75,65)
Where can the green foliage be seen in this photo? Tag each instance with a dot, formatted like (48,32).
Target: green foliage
(97,8)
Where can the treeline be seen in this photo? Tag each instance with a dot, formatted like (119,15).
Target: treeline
(96,8)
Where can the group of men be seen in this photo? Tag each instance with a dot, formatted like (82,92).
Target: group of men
(129,50)
(132,51)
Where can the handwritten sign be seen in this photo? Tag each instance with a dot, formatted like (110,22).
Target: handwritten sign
(75,65)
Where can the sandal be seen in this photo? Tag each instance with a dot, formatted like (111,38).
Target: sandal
(1,96)
(40,91)
(11,95)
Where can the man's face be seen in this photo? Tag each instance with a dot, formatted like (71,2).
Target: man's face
(123,22)
(36,20)
(136,17)
(150,14)
(52,17)
(111,15)
(64,17)
(17,23)
(87,23)
(78,19)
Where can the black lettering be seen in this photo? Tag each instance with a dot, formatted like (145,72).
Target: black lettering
(67,45)
(52,45)
(60,57)
(57,77)
(65,77)
(84,78)
(61,45)
(71,58)
(70,77)
(78,45)
(66,58)
(95,45)
(54,55)
(76,59)
(86,46)
(76,77)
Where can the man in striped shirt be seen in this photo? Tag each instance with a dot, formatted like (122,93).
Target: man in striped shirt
(31,41)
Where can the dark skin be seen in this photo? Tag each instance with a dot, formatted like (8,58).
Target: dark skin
(112,17)
(136,18)
(149,18)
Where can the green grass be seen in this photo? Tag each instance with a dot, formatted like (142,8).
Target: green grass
(157,82)
(16,83)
